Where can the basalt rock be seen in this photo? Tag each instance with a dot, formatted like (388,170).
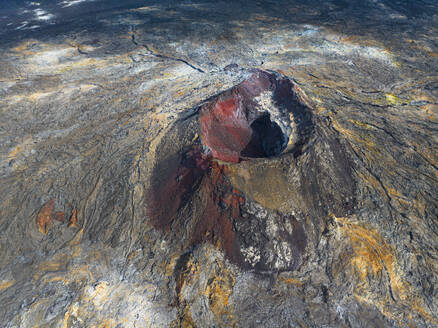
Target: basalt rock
(218,164)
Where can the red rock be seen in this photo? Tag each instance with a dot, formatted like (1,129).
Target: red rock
(232,126)
(198,174)
(225,130)
(215,224)
(59,216)
(44,217)
(73,221)
(167,197)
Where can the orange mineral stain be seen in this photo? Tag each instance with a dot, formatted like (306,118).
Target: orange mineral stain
(44,217)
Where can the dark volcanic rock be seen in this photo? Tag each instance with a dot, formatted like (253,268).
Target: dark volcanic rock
(218,163)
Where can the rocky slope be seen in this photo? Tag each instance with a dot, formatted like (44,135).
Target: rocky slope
(219,164)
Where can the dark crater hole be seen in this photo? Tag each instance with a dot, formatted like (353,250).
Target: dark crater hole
(267,138)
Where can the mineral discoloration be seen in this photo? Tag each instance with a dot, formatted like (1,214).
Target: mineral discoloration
(44,217)
(197,198)
(334,227)
(270,241)
(73,221)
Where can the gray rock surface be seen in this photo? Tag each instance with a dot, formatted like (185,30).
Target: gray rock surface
(106,222)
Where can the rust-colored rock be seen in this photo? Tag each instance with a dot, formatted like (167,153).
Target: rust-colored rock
(215,223)
(59,216)
(166,198)
(73,221)
(44,217)
(197,173)
(250,120)
(226,130)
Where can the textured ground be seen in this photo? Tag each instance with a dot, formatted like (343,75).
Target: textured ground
(114,214)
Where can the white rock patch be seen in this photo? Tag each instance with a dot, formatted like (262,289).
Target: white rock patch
(42,15)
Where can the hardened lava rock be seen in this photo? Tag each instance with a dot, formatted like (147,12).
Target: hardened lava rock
(260,179)
(149,177)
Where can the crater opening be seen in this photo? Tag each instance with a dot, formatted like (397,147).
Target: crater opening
(267,139)
(259,117)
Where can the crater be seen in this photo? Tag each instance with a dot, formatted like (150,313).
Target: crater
(263,116)
(194,193)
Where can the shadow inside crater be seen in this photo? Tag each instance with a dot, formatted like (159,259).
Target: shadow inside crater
(267,138)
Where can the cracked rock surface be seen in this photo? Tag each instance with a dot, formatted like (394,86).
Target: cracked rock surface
(219,163)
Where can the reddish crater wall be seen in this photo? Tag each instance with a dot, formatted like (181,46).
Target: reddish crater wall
(227,122)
